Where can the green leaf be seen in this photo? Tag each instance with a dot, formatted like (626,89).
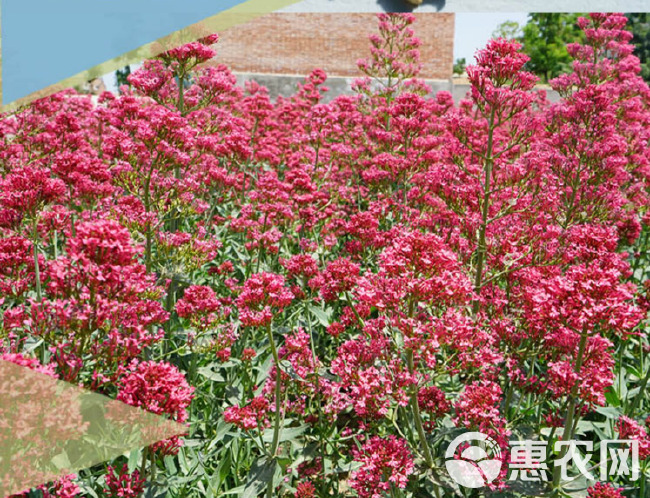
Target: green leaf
(182,461)
(235,491)
(286,434)
(134,459)
(261,473)
(577,487)
(232,394)
(609,412)
(599,429)
(224,469)
(62,461)
(621,384)
(584,426)
(222,429)
(612,398)
(321,315)
(208,373)
(87,490)
(635,373)
(169,465)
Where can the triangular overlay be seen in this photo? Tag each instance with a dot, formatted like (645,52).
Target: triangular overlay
(50,428)
(48,46)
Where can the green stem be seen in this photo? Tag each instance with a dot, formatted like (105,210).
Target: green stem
(181,92)
(276,424)
(143,466)
(37,271)
(321,440)
(147,206)
(147,250)
(643,481)
(509,394)
(568,433)
(639,395)
(416,414)
(152,463)
(481,248)
(170,300)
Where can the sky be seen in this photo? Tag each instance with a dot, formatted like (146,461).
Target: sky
(473,30)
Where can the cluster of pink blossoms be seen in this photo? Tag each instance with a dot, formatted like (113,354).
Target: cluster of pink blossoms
(252,416)
(159,388)
(385,462)
(600,490)
(630,429)
(261,296)
(123,484)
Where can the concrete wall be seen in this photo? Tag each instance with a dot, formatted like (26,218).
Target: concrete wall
(286,85)
(297,43)
(460,90)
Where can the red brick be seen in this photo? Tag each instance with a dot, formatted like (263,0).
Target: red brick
(296,43)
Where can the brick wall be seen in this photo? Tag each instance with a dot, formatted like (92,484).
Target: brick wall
(296,43)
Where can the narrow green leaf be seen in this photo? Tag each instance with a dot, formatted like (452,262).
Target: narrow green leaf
(260,475)
(321,315)
(208,373)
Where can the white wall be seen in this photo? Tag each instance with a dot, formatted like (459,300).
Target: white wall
(471,6)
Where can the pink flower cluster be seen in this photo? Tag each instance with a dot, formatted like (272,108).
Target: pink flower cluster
(385,462)
(159,388)
(261,296)
(123,484)
(252,416)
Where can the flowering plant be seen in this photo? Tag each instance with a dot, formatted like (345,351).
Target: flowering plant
(327,293)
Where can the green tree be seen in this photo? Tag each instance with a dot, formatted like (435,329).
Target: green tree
(510,30)
(459,65)
(639,25)
(121,76)
(545,37)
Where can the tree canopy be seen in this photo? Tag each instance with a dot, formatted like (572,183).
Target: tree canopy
(639,24)
(545,36)
(544,40)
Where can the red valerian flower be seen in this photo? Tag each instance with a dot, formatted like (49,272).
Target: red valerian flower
(255,415)
(630,429)
(124,484)
(262,295)
(200,305)
(477,408)
(416,268)
(29,189)
(340,276)
(603,490)
(432,400)
(305,489)
(16,265)
(384,462)
(160,388)
(28,362)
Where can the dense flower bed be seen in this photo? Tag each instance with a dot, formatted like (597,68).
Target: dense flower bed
(327,294)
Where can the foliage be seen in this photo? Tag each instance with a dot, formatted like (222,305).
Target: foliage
(545,38)
(510,30)
(639,24)
(328,293)
(122,76)
(460,66)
